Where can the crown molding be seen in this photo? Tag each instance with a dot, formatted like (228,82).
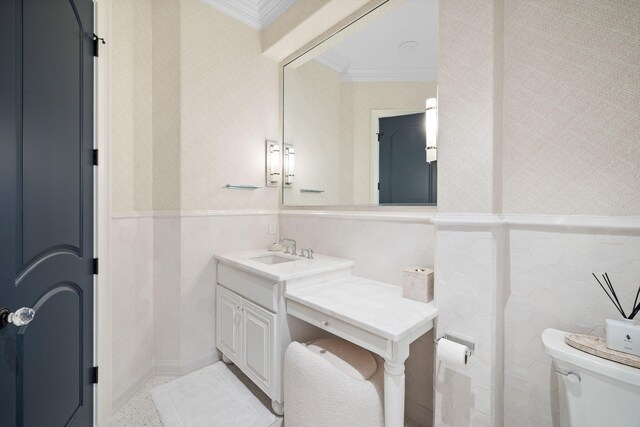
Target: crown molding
(243,10)
(258,14)
(270,10)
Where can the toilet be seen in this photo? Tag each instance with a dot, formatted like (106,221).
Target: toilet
(594,392)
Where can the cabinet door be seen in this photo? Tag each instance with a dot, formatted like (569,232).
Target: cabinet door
(228,319)
(258,341)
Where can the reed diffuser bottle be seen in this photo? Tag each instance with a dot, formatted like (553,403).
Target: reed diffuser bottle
(623,334)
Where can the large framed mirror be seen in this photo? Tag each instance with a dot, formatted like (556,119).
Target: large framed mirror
(360,112)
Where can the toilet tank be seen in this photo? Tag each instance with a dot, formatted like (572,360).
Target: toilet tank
(594,392)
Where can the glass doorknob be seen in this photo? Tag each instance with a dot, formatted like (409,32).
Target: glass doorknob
(20,317)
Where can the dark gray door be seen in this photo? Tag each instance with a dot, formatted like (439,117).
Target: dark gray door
(405,176)
(46,211)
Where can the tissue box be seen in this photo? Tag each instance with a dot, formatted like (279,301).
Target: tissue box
(417,284)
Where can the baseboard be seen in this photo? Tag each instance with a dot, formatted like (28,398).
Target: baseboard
(124,393)
(176,367)
(160,367)
(167,367)
(418,414)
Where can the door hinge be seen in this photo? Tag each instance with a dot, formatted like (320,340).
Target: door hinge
(378,186)
(379,135)
(95,266)
(96,43)
(94,375)
(95,157)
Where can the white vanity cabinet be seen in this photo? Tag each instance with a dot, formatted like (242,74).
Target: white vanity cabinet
(258,341)
(246,334)
(228,306)
(252,327)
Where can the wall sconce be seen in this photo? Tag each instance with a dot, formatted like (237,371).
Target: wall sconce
(289,164)
(273,163)
(431,128)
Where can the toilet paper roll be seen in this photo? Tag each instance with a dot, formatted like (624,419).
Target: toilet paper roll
(452,353)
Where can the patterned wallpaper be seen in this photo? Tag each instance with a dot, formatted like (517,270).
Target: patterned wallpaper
(229,107)
(572,107)
(191,108)
(166,104)
(466,100)
(312,124)
(131,105)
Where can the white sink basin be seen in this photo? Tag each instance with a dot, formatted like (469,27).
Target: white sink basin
(272,259)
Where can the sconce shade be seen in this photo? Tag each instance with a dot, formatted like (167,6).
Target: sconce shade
(289,166)
(431,128)
(273,163)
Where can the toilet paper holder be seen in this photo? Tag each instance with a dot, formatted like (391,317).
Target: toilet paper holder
(470,345)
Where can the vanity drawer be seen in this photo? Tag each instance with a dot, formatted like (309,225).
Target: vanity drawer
(260,291)
(356,335)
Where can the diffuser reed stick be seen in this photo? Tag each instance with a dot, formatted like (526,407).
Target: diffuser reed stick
(611,293)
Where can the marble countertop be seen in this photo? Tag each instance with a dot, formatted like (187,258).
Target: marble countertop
(299,268)
(373,306)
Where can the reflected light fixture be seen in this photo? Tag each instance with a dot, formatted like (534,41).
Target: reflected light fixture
(289,164)
(431,128)
(273,163)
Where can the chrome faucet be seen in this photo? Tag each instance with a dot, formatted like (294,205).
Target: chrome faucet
(307,253)
(293,249)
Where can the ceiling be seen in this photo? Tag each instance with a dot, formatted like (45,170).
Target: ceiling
(259,14)
(374,53)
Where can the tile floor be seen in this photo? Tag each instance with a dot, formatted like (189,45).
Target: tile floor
(140,410)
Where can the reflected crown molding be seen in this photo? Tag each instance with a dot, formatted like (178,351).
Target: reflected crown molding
(340,64)
(390,74)
(335,61)
(258,14)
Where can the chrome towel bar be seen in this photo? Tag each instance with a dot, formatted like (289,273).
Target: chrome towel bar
(241,187)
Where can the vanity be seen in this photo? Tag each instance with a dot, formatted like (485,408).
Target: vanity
(252,329)
(265,300)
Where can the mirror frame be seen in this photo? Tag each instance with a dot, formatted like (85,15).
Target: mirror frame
(315,42)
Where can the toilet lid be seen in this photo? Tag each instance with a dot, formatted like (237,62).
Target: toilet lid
(554,345)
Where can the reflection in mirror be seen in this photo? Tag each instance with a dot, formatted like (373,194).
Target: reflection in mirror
(289,165)
(356,111)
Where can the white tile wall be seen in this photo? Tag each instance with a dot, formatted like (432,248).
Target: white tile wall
(466,284)
(381,249)
(132,302)
(163,278)
(166,293)
(551,287)
(200,238)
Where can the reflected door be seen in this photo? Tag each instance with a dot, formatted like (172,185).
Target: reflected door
(405,176)
(46,211)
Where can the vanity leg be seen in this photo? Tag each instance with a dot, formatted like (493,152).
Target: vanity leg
(226,360)
(393,394)
(278,407)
